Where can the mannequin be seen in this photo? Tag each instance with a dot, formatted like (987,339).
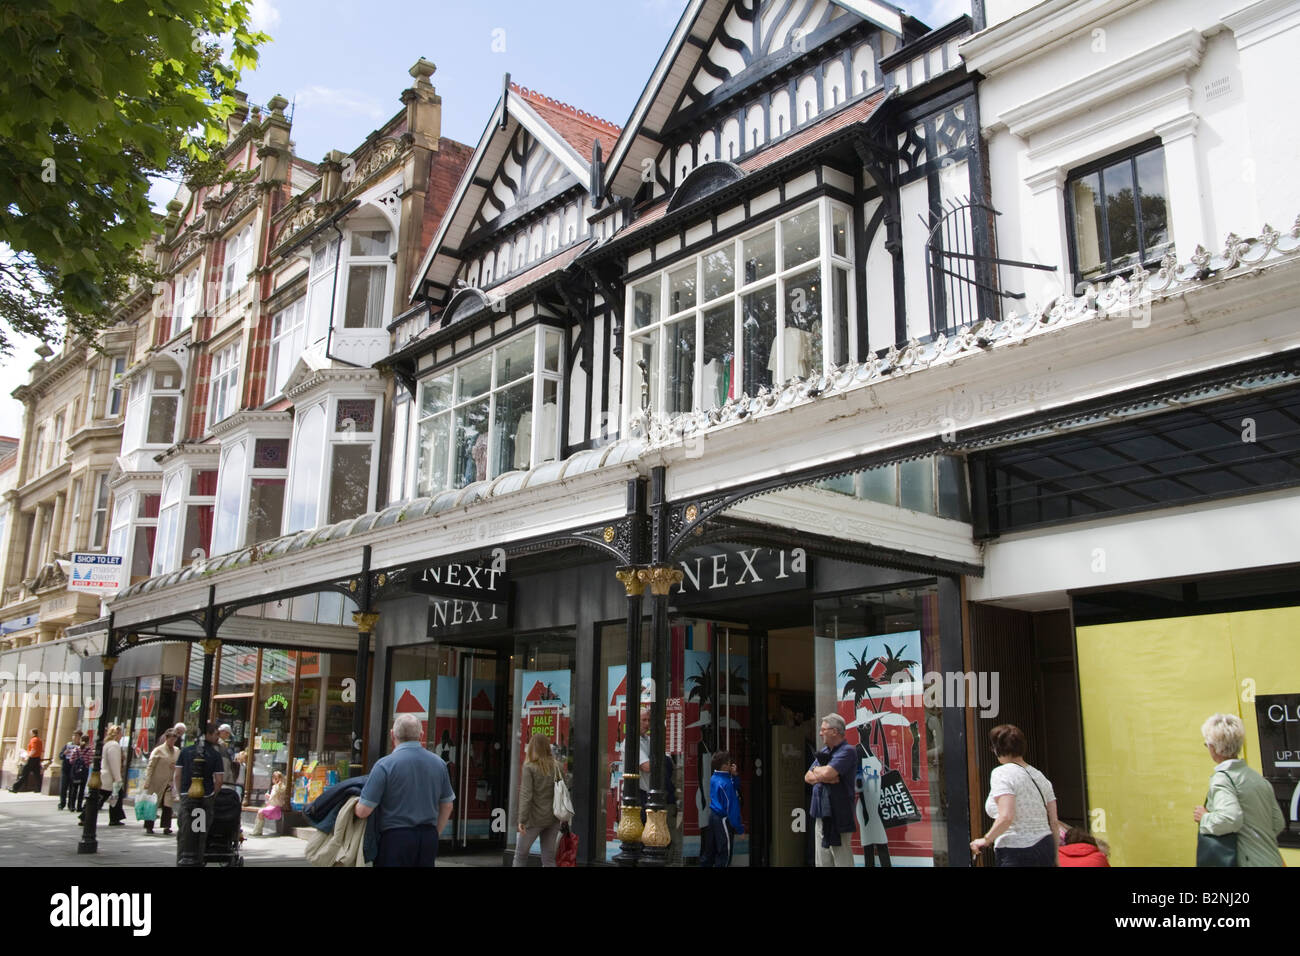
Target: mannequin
(870,828)
(798,354)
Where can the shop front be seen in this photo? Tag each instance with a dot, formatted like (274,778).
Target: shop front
(763,641)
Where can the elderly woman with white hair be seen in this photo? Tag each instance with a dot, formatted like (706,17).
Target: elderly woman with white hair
(1241,818)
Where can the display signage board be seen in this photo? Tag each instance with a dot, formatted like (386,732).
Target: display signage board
(474,582)
(1278,719)
(723,574)
(450,617)
(97,573)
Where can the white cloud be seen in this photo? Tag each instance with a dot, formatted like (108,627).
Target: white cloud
(340,101)
(265,16)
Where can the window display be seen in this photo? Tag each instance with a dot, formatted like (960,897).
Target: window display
(493,413)
(766,293)
(707,709)
(874,653)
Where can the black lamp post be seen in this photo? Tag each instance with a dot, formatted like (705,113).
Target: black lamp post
(90,812)
(195,808)
(661,577)
(629,825)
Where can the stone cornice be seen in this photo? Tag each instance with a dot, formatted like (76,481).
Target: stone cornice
(44,484)
(1137,72)
(251,420)
(322,379)
(186,452)
(95,432)
(1256,22)
(136,479)
(1035,32)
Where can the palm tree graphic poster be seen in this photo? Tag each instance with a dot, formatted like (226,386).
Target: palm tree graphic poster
(879,688)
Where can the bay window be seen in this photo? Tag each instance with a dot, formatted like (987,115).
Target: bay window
(493,413)
(185,515)
(164,401)
(368,270)
(230,494)
(308,463)
(333,462)
(115,386)
(169,517)
(758,311)
(238,261)
(288,339)
(223,395)
(187,301)
(320,291)
(99,513)
(267,479)
(397,484)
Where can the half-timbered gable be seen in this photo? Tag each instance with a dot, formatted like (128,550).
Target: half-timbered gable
(507,358)
(804,190)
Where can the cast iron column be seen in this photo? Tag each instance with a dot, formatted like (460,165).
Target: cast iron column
(656,837)
(629,824)
(191,842)
(90,814)
(661,577)
(365,622)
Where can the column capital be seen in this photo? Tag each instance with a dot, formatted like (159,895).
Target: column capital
(108,662)
(630,578)
(210,645)
(661,578)
(365,621)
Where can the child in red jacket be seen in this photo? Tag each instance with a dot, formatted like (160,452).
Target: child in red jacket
(1080,849)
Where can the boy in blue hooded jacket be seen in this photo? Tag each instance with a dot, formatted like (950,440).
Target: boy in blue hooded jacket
(724,811)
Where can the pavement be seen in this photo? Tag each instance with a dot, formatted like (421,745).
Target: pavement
(35,832)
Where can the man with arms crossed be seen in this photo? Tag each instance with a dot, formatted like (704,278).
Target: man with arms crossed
(412,790)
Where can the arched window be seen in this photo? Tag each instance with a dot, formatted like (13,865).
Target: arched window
(308,456)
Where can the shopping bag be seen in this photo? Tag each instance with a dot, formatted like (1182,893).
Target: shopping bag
(146,807)
(566,848)
(897,808)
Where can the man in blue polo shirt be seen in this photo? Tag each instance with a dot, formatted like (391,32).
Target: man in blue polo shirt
(832,777)
(412,790)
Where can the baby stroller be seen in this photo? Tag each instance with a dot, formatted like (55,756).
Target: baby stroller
(225,833)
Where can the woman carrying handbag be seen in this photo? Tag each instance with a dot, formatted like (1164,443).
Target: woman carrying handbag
(539,815)
(1021,799)
(1239,824)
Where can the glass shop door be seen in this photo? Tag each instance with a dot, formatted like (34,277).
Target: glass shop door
(472,707)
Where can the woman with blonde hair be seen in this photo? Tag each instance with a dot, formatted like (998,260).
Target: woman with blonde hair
(111,778)
(1239,824)
(537,802)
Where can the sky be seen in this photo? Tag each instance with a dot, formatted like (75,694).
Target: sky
(344,63)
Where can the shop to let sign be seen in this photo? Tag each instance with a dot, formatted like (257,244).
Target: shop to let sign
(98,573)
